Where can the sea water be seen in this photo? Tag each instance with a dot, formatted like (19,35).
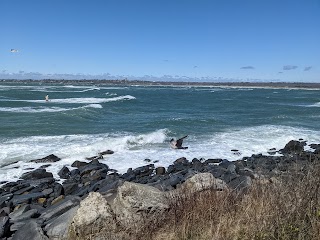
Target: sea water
(137,122)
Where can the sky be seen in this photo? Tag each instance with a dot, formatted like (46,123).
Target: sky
(188,40)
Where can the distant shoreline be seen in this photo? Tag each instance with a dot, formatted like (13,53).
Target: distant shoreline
(294,85)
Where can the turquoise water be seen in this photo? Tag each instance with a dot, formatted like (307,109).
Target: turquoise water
(137,122)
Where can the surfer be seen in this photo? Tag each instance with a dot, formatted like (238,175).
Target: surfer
(177,144)
(47,98)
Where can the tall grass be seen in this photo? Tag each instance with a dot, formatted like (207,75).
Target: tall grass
(287,208)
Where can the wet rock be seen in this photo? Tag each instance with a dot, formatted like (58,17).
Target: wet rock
(50,158)
(293,147)
(78,164)
(213,161)
(106,152)
(36,174)
(64,173)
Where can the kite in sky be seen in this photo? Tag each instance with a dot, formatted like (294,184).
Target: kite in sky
(14,50)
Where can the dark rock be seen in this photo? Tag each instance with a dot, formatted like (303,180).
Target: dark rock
(95,157)
(23,190)
(57,190)
(176,179)
(197,165)
(213,161)
(147,160)
(26,198)
(293,147)
(228,177)
(92,166)
(5,211)
(36,174)
(17,213)
(18,187)
(37,182)
(5,198)
(45,166)
(78,164)
(240,183)
(64,173)
(32,213)
(160,170)
(106,152)
(69,188)
(246,172)
(181,160)
(31,230)
(225,163)
(46,192)
(60,208)
(4,226)
(50,158)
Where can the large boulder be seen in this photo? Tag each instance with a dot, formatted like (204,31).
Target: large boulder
(58,228)
(293,147)
(30,230)
(133,200)
(202,181)
(93,214)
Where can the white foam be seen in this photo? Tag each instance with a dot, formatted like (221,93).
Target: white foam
(317,104)
(44,109)
(33,109)
(93,106)
(77,100)
(131,149)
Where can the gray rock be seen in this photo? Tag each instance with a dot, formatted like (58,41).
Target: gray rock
(30,230)
(37,182)
(60,208)
(240,183)
(160,170)
(23,190)
(58,228)
(16,214)
(78,164)
(4,226)
(36,174)
(5,211)
(50,158)
(133,200)
(202,181)
(26,198)
(64,173)
(32,213)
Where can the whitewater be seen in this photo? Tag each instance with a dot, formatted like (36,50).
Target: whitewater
(137,122)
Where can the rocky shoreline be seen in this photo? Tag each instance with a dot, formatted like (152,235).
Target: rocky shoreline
(40,207)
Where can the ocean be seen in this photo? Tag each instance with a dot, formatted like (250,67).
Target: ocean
(137,122)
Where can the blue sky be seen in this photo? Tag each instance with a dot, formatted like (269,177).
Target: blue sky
(209,40)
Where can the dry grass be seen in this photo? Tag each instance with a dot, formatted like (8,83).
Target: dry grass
(286,209)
